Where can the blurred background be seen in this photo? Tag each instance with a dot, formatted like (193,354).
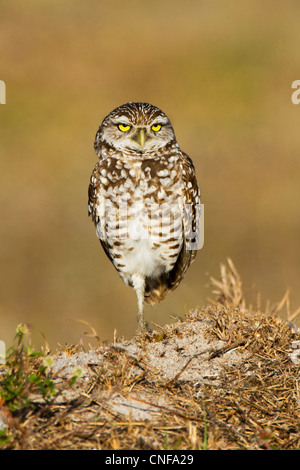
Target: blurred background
(222,72)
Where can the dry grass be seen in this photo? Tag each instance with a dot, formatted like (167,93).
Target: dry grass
(254,405)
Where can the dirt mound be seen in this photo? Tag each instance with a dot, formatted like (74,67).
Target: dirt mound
(225,377)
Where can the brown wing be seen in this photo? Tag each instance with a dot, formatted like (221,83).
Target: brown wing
(93,203)
(157,289)
(93,192)
(191,219)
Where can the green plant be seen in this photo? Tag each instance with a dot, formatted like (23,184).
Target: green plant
(175,445)
(25,374)
(205,430)
(3,437)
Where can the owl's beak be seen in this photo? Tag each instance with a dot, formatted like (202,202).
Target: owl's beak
(140,137)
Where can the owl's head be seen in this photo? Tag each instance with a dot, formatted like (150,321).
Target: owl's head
(137,128)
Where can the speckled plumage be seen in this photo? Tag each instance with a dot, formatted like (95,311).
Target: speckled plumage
(144,201)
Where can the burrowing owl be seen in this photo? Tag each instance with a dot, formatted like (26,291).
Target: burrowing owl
(144,201)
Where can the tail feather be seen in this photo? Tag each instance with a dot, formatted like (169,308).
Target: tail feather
(157,289)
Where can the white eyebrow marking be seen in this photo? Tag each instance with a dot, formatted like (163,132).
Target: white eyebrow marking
(121,120)
(160,120)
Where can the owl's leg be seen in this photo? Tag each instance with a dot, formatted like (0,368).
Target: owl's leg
(138,282)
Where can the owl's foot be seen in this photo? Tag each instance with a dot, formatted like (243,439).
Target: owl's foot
(142,326)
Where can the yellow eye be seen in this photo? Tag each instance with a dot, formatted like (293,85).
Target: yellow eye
(156,127)
(124,127)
